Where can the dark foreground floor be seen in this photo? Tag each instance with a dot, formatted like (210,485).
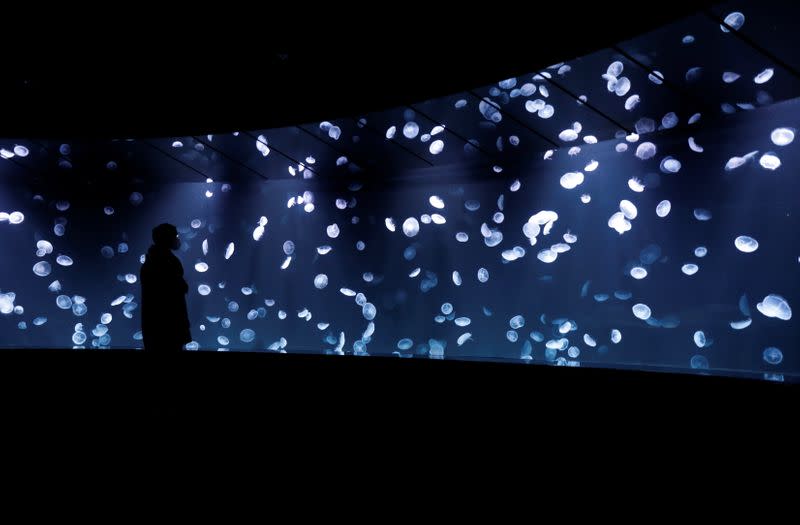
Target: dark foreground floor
(417,397)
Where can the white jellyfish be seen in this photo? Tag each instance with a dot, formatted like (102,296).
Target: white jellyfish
(746,244)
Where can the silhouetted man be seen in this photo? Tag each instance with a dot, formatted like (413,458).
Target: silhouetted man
(165,321)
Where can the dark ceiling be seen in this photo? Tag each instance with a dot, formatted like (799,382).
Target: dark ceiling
(153,74)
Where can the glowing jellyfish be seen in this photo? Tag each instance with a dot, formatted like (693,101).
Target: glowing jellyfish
(411,130)
(694,146)
(698,362)
(773,355)
(746,244)
(641,311)
(586,198)
(646,150)
(734,162)
(64,260)
(690,268)
(616,336)
(638,273)
(619,223)
(456,278)
(42,268)
(332,230)
(546,112)
(741,325)
(320,281)
(670,165)
(533,106)
(391,132)
(389,224)
(702,214)
(16,217)
(628,209)
(631,102)
(775,306)
(568,135)
(369,311)
(782,136)
(699,339)
(670,120)
(21,151)
(436,202)
(589,340)
(663,208)
(489,110)
(436,147)
(64,302)
(247,335)
(764,76)
(693,74)
(700,251)
(547,256)
(462,321)
(735,20)
(411,227)
(483,275)
(729,77)
(635,185)
(769,161)
(288,247)
(229,250)
(136,198)
(460,103)
(204,289)
(591,166)
(512,336)
(622,86)
(462,237)
(571,180)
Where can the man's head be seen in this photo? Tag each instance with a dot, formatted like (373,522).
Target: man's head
(166,236)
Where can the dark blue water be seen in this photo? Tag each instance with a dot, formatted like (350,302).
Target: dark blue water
(391,182)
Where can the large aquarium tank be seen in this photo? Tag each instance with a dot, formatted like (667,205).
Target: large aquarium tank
(635,208)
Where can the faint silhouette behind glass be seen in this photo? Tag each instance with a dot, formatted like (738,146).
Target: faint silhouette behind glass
(165,320)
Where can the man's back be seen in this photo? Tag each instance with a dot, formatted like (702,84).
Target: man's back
(165,321)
